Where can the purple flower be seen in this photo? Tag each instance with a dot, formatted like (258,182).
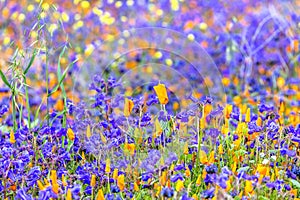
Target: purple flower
(33,175)
(210,193)
(3,109)
(176,177)
(172,157)
(21,195)
(167,192)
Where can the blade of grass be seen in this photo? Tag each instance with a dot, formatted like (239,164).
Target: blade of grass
(4,79)
(30,62)
(62,78)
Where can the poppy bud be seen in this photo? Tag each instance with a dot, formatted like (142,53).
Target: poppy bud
(161,93)
(128,106)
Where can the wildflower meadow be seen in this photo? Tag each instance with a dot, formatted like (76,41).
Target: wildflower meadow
(149,99)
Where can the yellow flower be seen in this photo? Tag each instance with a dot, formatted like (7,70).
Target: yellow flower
(128,106)
(115,173)
(71,134)
(203,157)
(107,166)
(280,82)
(12,139)
(129,148)
(234,167)
(100,195)
(259,121)
(55,188)
(187,172)
(53,176)
(282,107)
(204,173)
(198,181)
(179,185)
(227,111)
(103,138)
(121,182)
(163,178)
(136,187)
(220,149)
(69,194)
(248,115)
(195,197)
(186,149)
(202,122)
(228,185)
(262,169)
(40,185)
(63,180)
(161,93)
(93,180)
(248,187)
(88,131)
(211,157)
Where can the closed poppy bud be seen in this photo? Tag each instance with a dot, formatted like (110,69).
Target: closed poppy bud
(115,173)
(103,138)
(234,165)
(121,182)
(228,185)
(158,128)
(220,149)
(100,195)
(63,180)
(136,187)
(163,178)
(202,122)
(69,194)
(128,106)
(107,166)
(187,172)
(186,149)
(204,173)
(259,121)
(248,115)
(40,185)
(53,176)
(12,139)
(88,131)
(161,93)
(71,134)
(281,107)
(55,188)
(179,185)
(198,181)
(93,180)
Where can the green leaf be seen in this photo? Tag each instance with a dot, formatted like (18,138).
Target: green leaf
(4,79)
(295,183)
(58,63)
(30,62)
